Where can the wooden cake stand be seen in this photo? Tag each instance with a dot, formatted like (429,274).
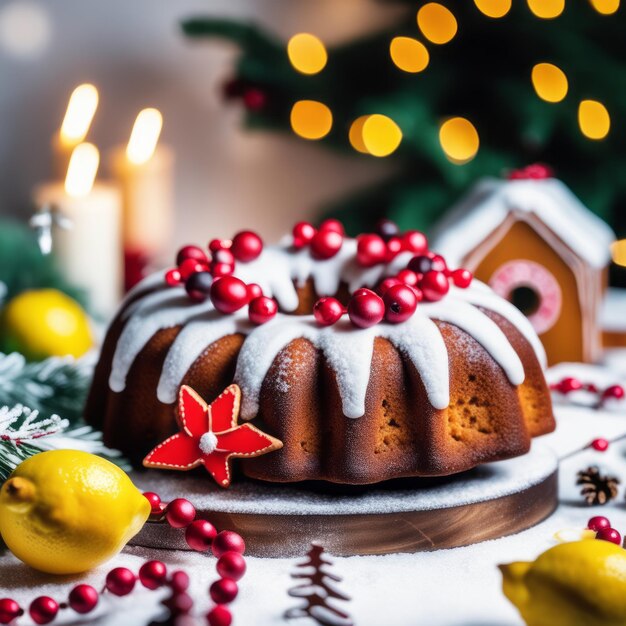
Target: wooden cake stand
(281,521)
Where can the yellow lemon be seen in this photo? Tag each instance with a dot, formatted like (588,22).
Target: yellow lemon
(66,511)
(582,583)
(45,322)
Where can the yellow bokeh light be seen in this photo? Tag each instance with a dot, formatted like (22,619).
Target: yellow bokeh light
(410,55)
(144,136)
(493,8)
(311,119)
(605,7)
(618,252)
(80,111)
(594,120)
(355,134)
(437,23)
(459,140)
(82,169)
(549,82)
(307,53)
(546,9)
(381,135)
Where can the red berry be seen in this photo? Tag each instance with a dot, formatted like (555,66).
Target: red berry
(400,303)
(83,598)
(327,311)
(362,292)
(408,277)
(219,244)
(223,255)
(370,250)
(394,247)
(262,310)
(191,266)
(152,574)
(254,291)
(198,286)
(418,293)
(254,99)
(325,244)
(334,225)
(179,604)
(601,445)
(609,534)
(386,284)
(173,277)
(180,513)
(229,294)
(179,581)
(462,278)
(231,565)
(219,616)
(154,500)
(43,609)
(420,264)
(226,541)
(438,263)
(569,384)
(415,241)
(434,285)
(200,534)
(247,246)
(591,388)
(387,229)
(191,252)
(120,581)
(223,591)
(614,391)
(303,232)
(366,308)
(221,269)
(9,610)
(598,523)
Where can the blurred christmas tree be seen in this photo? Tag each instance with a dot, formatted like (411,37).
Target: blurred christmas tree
(512,79)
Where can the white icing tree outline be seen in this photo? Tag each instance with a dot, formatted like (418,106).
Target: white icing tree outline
(318,590)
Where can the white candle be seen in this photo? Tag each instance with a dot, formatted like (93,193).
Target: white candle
(89,253)
(145,174)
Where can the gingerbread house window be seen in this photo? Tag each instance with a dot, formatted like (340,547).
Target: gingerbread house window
(539,247)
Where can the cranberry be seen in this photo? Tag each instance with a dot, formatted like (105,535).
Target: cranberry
(173,277)
(231,565)
(189,267)
(366,308)
(226,541)
(120,581)
(262,310)
(334,225)
(598,523)
(415,241)
(200,534)
(434,285)
(198,286)
(394,247)
(327,311)
(387,229)
(462,278)
(229,294)
(609,534)
(223,591)
(326,243)
(180,513)
(408,277)
(191,252)
(247,246)
(254,291)
(400,303)
(386,284)
(370,250)
(152,574)
(83,598)
(303,232)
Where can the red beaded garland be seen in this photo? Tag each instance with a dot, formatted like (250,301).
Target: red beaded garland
(327,311)
(180,513)
(254,291)
(226,541)
(120,581)
(200,534)
(366,308)
(434,285)
(152,574)
(400,303)
(83,598)
(609,534)
(326,243)
(178,604)
(600,444)
(43,609)
(223,591)
(154,500)
(219,616)
(415,241)
(229,294)
(179,581)
(334,225)
(370,250)
(598,523)
(231,565)
(247,246)
(408,277)
(462,278)
(303,232)
(173,277)
(191,252)
(9,610)
(262,310)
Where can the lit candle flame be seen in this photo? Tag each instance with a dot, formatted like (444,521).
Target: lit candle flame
(80,111)
(81,172)
(144,136)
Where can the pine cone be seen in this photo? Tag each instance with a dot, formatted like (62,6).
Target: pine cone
(597,488)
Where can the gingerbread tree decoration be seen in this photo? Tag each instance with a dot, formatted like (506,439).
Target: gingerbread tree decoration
(317,591)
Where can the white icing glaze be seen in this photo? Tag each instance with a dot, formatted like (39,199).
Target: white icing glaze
(348,350)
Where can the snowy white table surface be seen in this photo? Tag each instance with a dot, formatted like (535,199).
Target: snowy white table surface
(458,587)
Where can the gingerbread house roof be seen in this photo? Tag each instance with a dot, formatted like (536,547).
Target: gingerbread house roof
(489,202)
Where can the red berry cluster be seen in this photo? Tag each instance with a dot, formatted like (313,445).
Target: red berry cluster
(227,546)
(324,242)
(373,249)
(535,171)
(602,527)
(569,384)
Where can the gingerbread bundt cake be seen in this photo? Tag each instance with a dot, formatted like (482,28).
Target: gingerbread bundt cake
(435,388)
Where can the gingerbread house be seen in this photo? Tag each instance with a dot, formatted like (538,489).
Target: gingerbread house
(537,245)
